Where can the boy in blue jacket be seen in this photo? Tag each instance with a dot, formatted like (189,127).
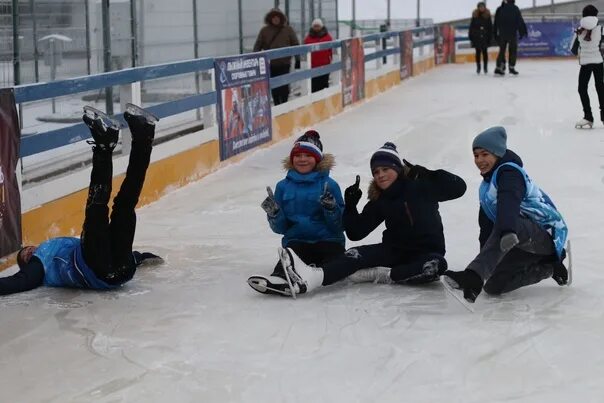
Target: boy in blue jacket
(102,258)
(306,209)
(522,234)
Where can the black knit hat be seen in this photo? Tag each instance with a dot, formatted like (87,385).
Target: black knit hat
(386,156)
(308,143)
(590,11)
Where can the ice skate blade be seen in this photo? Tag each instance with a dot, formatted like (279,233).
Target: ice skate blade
(260,284)
(285,262)
(569,269)
(106,120)
(137,110)
(451,289)
(585,126)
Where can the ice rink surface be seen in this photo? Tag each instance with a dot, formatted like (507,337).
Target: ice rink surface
(193,331)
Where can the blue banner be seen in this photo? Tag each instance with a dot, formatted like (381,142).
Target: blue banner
(243,106)
(547,39)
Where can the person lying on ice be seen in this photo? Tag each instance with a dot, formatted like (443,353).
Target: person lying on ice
(306,209)
(522,234)
(102,258)
(412,250)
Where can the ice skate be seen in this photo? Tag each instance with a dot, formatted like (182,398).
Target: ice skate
(270,285)
(429,273)
(375,275)
(466,284)
(563,271)
(584,124)
(513,71)
(499,71)
(104,130)
(301,278)
(141,123)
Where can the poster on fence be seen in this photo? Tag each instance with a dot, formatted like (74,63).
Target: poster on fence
(551,38)
(406,46)
(444,44)
(243,106)
(353,71)
(10,200)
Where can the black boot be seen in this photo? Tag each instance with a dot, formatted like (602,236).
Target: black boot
(104,137)
(513,70)
(142,129)
(478,68)
(468,281)
(486,67)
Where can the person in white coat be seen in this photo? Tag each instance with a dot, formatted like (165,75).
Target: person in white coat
(586,45)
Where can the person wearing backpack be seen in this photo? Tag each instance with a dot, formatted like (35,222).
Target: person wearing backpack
(586,45)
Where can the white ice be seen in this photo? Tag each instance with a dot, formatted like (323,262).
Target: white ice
(193,331)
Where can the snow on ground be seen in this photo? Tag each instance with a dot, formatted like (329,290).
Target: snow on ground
(193,331)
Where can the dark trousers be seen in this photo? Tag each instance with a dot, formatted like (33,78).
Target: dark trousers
(403,266)
(527,263)
(318,253)
(485,58)
(319,83)
(280,94)
(504,44)
(107,245)
(584,76)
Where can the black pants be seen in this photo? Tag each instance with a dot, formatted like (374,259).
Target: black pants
(363,257)
(312,253)
(504,44)
(280,94)
(523,265)
(107,245)
(485,58)
(319,83)
(584,76)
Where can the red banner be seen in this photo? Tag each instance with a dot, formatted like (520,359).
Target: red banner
(353,71)
(10,200)
(444,44)
(406,46)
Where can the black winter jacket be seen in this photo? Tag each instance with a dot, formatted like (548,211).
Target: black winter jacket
(481,29)
(509,22)
(510,192)
(410,210)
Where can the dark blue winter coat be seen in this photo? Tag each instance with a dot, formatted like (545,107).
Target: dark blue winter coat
(509,23)
(301,216)
(511,189)
(64,265)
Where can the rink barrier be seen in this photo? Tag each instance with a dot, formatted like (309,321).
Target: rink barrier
(64,215)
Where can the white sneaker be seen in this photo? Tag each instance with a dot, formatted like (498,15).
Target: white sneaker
(584,124)
(301,277)
(270,285)
(376,275)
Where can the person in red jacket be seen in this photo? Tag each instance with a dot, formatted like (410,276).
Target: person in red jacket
(318,33)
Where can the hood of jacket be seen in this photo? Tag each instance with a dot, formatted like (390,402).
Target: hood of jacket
(275,12)
(589,23)
(325,165)
(317,34)
(509,156)
(486,14)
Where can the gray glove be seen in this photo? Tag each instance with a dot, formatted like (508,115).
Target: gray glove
(269,205)
(327,200)
(508,241)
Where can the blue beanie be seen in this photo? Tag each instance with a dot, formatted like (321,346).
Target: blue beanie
(493,140)
(386,156)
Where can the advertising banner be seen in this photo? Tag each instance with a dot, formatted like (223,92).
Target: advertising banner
(406,45)
(353,71)
(444,44)
(547,39)
(243,106)
(10,200)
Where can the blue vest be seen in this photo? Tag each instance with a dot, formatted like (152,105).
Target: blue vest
(64,265)
(536,205)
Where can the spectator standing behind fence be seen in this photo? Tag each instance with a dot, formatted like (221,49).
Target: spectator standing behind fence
(586,45)
(278,34)
(509,27)
(318,33)
(481,33)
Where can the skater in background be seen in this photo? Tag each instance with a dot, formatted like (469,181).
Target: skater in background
(102,258)
(306,209)
(405,198)
(522,234)
(481,34)
(317,34)
(278,34)
(586,45)
(508,28)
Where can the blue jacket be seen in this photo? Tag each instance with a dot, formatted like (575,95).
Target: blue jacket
(301,217)
(64,265)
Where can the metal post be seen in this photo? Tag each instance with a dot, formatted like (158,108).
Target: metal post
(107,54)
(240,16)
(303,16)
(354,18)
(88,52)
(53,67)
(388,14)
(417,21)
(16,50)
(35,40)
(287,9)
(196,51)
(312,11)
(534,3)
(133,33)
(337,22)
(553,7)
